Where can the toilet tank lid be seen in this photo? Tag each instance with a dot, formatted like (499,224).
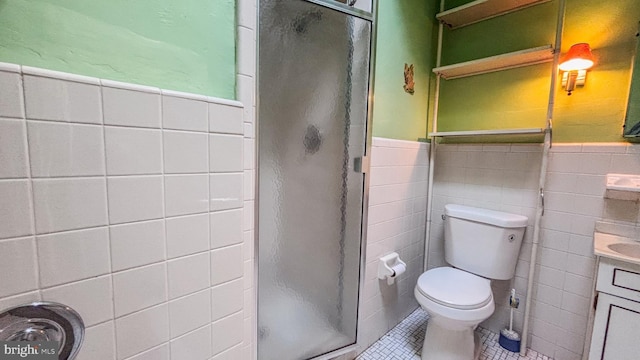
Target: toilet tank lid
(497,218)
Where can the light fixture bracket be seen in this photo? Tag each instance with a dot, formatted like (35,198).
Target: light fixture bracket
(580,79)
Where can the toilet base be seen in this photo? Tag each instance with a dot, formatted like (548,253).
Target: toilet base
(445,344)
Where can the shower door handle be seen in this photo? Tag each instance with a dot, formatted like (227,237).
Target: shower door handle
(361,164)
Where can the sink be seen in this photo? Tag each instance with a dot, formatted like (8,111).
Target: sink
(616,247)
(626,249)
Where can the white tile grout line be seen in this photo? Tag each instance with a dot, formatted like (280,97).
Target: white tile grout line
(404,342)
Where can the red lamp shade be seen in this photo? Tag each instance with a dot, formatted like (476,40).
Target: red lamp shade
(579,57)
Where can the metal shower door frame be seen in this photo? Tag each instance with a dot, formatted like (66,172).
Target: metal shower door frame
(371,17)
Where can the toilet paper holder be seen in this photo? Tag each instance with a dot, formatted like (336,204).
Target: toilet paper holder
(390,266)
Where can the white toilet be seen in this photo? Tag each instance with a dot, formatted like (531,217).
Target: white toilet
(481,244)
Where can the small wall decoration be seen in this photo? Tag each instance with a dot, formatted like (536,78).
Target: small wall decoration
(408,78)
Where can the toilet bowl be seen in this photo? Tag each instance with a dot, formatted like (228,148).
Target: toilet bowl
(480,245)
(457,301)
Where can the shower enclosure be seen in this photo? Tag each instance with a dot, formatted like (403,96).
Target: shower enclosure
(313,83)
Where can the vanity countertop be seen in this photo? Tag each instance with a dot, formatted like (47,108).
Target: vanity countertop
(616,247)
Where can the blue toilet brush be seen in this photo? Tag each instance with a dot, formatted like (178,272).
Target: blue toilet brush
(510,339)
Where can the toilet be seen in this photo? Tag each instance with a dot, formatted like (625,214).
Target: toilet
(480,245)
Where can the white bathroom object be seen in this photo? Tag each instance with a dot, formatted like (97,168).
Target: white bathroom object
(623,187)
(390,267)
(480,245)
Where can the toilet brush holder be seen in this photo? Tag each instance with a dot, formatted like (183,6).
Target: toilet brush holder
(510,339)
(509,344)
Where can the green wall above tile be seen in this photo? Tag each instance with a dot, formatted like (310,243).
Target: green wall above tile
(184,45)
(405,35)
(518,97)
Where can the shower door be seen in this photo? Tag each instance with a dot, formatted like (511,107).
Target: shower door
(313,88)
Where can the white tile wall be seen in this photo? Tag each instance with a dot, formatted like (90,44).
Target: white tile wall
(112,205)
(396,223)
(574,202)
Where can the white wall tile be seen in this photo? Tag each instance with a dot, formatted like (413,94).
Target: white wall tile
(247,272)
(139,288)
(18,254)
(187,235)
(249,154)
(248,211)
(99,343)
(91,298)
(184,114)
(17,300)
(226,228)
(59,100)
(133,151)
(11,101)
(186,194)
(227,332)
(193,346)
(15,212)
(246,48)
(246,94)
(247,14)
(131,108)
(135,198)
(233,353)
(225,119)
(66,204)
(74,255)
(59,149)
(249,185)
(13,149)
(137,244)
(224,299)
(142,330)
(185,152)
(190,312)
(225,153)
(226,264)
(159,353)
(188,275)
(226,191)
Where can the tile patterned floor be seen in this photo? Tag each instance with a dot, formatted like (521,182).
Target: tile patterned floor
(404,342)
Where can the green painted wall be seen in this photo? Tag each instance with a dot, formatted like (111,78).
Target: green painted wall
(406,31)
(518,97)
(186,45)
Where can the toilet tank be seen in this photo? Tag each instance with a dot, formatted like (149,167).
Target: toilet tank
(481,241)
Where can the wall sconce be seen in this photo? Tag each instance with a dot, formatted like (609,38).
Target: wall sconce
(575,65)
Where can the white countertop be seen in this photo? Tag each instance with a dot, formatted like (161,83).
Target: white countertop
(601,242)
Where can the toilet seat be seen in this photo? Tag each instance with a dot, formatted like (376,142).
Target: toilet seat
(454,288)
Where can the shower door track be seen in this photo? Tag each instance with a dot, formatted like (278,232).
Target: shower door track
(349,10)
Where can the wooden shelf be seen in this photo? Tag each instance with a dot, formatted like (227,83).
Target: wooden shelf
(530,131)
(479,10)
(511,60)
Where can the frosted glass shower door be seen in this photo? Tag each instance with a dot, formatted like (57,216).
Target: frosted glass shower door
(313,87)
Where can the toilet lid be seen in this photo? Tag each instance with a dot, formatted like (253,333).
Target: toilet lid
(455,288)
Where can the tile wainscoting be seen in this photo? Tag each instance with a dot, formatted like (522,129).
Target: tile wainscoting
(133,205)
(396,223)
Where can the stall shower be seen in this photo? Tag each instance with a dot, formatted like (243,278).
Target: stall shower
(313,84)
